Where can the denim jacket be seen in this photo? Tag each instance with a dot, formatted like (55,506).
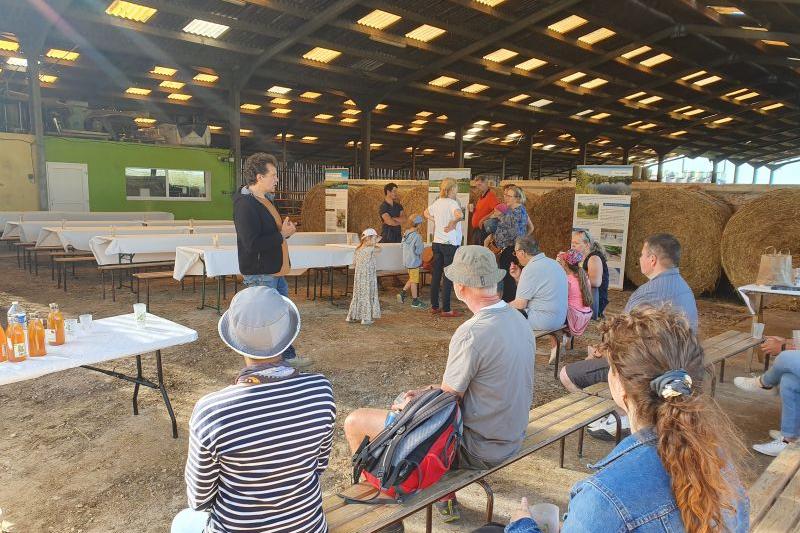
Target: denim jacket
(631,492)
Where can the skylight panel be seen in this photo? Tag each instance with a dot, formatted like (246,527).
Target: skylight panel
(144,121)
(277,89)
(281,111)
(251,107)
(442,81)
(530,64)
(163,71)
(597,35)
(634,96)
(498,56)
(600,116)
(349,120)
(425,33)
(205,77)
(474,88)
(321,55)
(568,24)
(62,55)
(379,19)
(130,11)
(205,28)
(139,91)
(180,97)
(573,77)
(351,111)
(380,107)
(650,100)
(727,10)
(394,127)
(771,106)
(48,78)
(323,116)
(655,60)
(519,97)
(707,81)
(677,133)
(310,138)
(724,120)
(490,3)
(425,114)
(694,75)
(637,52)
(172,84)
(311,95)
(774,43)
(280,101)
(9,45)
(593,84)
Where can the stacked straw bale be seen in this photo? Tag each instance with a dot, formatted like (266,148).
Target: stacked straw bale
(312,213)
(415,201)
(696,218)
(362,208)
(769,220)
(551,214)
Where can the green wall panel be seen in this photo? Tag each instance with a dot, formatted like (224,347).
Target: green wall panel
(107,161)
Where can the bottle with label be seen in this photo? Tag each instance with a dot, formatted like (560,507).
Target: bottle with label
(5,347)
(36,337)
(55,326)
(19,349)
(17,313)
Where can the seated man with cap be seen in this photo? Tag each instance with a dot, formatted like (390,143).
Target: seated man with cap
(489,366)
(257,448)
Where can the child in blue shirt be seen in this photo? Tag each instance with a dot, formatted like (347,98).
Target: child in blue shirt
(412,259)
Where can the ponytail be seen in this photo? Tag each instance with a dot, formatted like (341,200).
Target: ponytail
(696,441)
(585,285)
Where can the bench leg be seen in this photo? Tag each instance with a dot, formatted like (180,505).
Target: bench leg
(113,287)
(52,268)
(766,362)
(558,355)
(36,262)
(103,282)
(489,499)
(136,385)
(147,290)
(580,442)
(722,371)
(64,270)
(429,519)
(561,445)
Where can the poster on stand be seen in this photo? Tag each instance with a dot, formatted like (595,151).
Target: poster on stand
(602,207)
(336,199)
(462,177)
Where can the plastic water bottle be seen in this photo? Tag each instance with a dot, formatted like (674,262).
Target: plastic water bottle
(17,314)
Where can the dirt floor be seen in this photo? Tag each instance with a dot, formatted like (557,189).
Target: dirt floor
(75,459)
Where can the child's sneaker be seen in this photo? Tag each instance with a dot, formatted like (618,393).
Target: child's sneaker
(401,297)
(416,303)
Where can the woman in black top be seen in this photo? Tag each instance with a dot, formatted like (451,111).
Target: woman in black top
(596,267)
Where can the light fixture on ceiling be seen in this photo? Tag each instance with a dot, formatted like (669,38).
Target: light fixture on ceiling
(205,28)
(130,11)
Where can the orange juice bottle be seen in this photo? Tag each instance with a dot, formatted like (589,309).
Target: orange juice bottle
(36,337)
(19,352)
(4,346)
(55,326)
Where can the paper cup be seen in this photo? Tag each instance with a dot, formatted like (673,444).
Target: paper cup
(546,517)
(86,323)
(71,329)
(140,315)
(758,330)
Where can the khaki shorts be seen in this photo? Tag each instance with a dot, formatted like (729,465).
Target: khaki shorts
(413,275)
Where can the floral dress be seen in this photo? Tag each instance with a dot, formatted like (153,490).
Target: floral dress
(365,304)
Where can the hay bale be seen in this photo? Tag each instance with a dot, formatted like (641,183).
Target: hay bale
(415,201)
(770,220)
(551,214)
(697,220)
(312,212)
(362,209)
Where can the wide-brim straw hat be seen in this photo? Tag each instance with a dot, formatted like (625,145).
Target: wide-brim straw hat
(260,323)
(474,266)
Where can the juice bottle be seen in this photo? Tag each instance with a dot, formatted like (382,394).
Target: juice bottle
(55,326)
(4,346)
(19,351)
(36,337)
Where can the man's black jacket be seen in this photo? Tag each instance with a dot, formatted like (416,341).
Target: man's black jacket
(258,237)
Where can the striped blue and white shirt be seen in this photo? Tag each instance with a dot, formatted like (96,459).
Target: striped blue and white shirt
(256,453)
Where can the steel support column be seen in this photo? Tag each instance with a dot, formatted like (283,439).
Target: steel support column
(366,141)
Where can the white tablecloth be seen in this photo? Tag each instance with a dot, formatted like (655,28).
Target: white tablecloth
(747,290)
(158,246)
(211,229)
(14,230)
(189,222)
(111,338)
(390,257)
(79,237)
(224,260)
(321,237)
(30,231)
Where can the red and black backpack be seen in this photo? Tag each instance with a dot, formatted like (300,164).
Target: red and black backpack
(414,451)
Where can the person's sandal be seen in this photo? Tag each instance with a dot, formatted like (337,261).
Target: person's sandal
(449,511)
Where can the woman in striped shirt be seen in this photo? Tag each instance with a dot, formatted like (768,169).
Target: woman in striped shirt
(258,448)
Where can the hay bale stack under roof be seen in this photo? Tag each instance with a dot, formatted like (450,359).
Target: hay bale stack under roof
(697,220)
(551,214)
(770,220)
(312,212)
(362,209)
(415,201)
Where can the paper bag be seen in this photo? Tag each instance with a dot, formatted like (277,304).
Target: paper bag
(775,268)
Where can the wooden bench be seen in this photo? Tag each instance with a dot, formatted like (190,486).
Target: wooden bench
(21,248)
(62,263)
(148,277)
(126,268)
(775,496)
(723,346)
(33,256)
(548,423)
(556,334)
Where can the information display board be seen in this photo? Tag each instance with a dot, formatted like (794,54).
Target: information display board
(336,199)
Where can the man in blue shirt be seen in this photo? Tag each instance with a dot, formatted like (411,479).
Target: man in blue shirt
(659,260)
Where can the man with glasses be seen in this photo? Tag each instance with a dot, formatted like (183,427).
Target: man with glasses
(541,286)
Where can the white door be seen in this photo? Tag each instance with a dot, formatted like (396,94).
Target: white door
(68,186)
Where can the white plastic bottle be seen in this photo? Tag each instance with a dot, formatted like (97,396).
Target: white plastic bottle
(17,314)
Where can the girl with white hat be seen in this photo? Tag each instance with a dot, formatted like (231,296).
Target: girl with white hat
(365,305)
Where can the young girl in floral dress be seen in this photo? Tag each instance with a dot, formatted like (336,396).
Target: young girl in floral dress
(365,305)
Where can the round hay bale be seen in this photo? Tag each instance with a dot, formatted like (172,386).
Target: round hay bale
(695,218)
(312,212)
(551,214)
(769,220)
(362,209)
(415,201)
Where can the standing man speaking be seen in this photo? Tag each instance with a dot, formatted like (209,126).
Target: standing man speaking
(260,233)
(392,215)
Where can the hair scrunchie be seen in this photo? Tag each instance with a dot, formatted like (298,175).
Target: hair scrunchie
(672,384)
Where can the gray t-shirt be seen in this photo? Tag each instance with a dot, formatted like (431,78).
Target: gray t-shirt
(491,362)
(543,283)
